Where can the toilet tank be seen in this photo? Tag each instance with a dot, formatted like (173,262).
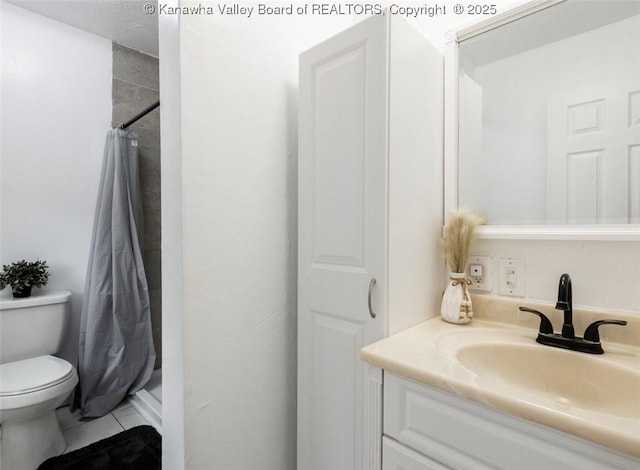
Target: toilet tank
(33,326)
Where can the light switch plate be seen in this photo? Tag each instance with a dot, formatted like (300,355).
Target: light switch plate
(511,277)
(479,271)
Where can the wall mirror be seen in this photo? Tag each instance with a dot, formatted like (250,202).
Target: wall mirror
(546,126)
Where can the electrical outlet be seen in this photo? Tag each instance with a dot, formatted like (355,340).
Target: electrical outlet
(511,277)
(480,273)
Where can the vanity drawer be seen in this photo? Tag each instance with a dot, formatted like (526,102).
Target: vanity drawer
(461,434)
(396,456)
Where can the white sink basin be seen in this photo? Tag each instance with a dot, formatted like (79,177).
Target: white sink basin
(570,378)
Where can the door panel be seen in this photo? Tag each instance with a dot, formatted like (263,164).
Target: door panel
(338,158)
(582,186)
(335,341)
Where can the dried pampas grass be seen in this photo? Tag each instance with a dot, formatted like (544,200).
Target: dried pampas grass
(459,233)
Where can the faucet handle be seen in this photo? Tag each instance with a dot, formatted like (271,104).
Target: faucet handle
(545,324)
(591,333)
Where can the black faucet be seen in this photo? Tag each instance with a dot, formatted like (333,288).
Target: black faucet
(568,340)
(565,303)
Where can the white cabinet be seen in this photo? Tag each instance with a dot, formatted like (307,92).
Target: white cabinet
(426,423)
(370,215)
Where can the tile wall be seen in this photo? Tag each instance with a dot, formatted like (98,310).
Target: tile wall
(136,86)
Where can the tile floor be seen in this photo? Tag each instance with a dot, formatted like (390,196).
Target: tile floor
(82,432)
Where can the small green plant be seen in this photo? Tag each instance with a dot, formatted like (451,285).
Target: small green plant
(23,275)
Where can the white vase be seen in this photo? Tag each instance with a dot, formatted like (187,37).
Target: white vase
(456,301)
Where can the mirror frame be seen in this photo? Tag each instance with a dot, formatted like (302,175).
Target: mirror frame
(620,232)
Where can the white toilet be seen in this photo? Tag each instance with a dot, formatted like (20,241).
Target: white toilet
(33,383)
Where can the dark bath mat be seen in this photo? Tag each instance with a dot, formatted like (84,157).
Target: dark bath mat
(138,448)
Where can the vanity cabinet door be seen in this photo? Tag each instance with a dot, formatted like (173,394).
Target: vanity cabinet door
(395,456)
(464,435)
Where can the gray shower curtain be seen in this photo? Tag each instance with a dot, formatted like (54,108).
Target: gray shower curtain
(116,354)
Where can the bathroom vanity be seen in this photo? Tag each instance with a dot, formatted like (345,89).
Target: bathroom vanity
(487,396)
(375,135)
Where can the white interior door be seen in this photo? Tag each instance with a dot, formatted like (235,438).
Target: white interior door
(593,158)
(342,194)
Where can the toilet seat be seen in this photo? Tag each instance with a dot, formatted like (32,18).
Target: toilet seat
(29,381)
(33,374)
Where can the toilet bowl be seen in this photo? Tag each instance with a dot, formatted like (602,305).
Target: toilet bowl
(33,382)
(30,392)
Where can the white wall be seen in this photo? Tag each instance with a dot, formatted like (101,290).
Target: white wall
(56,109)
(172,279)
(239,190)
(604,274)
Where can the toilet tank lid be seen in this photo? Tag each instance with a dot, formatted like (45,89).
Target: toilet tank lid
(37,298)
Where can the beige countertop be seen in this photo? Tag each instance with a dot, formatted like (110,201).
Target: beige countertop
(596,397)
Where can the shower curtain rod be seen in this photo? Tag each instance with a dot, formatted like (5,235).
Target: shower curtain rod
(140,115)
